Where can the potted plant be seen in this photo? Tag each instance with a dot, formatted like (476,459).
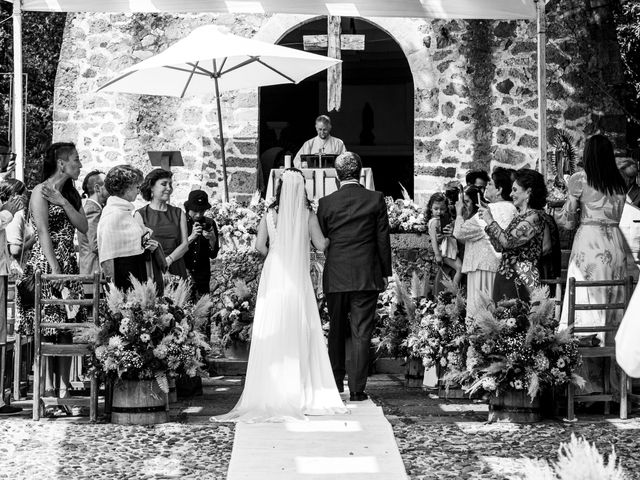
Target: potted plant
(399,308)
(515,351)
(232,321)
(141,340)
(439,338)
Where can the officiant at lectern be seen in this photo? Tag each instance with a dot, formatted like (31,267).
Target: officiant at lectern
(323,143)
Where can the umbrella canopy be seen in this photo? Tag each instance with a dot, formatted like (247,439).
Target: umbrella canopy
(190,66)
(208,60)
(490,9)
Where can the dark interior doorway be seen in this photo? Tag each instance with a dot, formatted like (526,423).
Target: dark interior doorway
(376,117)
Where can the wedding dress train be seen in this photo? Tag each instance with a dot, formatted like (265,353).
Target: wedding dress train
(288,373)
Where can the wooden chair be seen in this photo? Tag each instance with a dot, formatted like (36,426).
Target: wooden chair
(607,352)
(45,349)
(555,292)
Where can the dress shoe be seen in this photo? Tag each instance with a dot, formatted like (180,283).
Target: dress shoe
(9,410)
(358,396)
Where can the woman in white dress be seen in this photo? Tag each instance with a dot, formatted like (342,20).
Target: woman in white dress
(288,374)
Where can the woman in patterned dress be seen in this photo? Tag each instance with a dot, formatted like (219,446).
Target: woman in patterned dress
(521,242)
(597,195)
(56,211)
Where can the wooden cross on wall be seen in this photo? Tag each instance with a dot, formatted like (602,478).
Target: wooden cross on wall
(334,42)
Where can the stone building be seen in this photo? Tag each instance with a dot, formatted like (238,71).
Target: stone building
(422,103)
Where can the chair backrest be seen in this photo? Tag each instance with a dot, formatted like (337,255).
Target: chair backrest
(40,302)
(555,292)
(627,286)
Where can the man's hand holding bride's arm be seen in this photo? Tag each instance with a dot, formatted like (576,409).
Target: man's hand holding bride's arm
(315,232)
(262,237)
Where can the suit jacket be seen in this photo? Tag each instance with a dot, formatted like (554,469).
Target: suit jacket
(88,243)
(359,255)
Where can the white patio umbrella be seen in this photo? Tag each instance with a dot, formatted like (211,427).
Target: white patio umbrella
(209,60)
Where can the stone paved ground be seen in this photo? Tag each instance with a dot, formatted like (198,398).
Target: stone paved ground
(438,439)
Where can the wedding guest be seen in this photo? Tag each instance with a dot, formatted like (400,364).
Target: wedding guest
(444,246)
(20,232)
(597,197)
(121,236)
(168,223)
(521,241)
(204,246)
(9,206)
(322,143)
(95,195)
(477,178)
(480,261)
(56,211)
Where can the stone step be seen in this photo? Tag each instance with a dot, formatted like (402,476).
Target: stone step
(226,366)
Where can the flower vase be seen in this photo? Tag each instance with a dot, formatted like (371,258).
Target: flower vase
(139,402)
(414,378)
(514,406)
(237,350)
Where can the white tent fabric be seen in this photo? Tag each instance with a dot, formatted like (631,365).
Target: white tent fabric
(463,9)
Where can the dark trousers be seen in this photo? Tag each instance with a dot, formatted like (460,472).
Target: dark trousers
(124,266)
(352,314)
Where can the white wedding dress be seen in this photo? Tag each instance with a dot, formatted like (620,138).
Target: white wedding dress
(289,374)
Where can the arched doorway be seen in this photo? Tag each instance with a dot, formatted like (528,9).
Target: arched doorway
(376,118)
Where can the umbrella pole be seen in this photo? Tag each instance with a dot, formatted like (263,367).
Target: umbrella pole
(542,86)
(224,161)
(18,126)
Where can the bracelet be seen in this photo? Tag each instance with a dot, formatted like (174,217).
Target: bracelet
(170,257)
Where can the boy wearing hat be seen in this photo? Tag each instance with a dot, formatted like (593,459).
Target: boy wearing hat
(205,246)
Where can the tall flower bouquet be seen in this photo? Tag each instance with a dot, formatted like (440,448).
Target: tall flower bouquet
(232,318)
(399,308)
(440,336)
(405,216)
(140,336)
(515,345)
(237,224)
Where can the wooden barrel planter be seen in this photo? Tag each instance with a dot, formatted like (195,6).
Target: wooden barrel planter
(139,402)
(514,406)
(414,376)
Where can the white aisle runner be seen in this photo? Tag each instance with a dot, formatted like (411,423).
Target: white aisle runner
(354,446)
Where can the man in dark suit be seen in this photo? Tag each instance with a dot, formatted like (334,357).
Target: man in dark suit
(358,262)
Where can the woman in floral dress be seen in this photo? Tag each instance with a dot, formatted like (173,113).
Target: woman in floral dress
(56,211)
(597,195)
(521,242)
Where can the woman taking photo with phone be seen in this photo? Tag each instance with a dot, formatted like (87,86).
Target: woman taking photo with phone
(521,241)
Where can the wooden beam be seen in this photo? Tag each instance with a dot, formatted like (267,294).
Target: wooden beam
(320,42)
(334,73)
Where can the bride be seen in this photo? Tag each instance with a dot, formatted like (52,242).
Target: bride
(288,374)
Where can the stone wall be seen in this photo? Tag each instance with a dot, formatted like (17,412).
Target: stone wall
(475,93)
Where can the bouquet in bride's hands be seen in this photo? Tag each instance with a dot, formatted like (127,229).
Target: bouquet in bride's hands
(139,335)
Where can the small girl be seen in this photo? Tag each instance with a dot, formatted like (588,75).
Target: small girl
(444,247)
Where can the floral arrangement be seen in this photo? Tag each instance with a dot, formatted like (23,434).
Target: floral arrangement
(139,335)
(405,216)
(516,345)
(237,224)
(440,337)
(399,308)
(232,317)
